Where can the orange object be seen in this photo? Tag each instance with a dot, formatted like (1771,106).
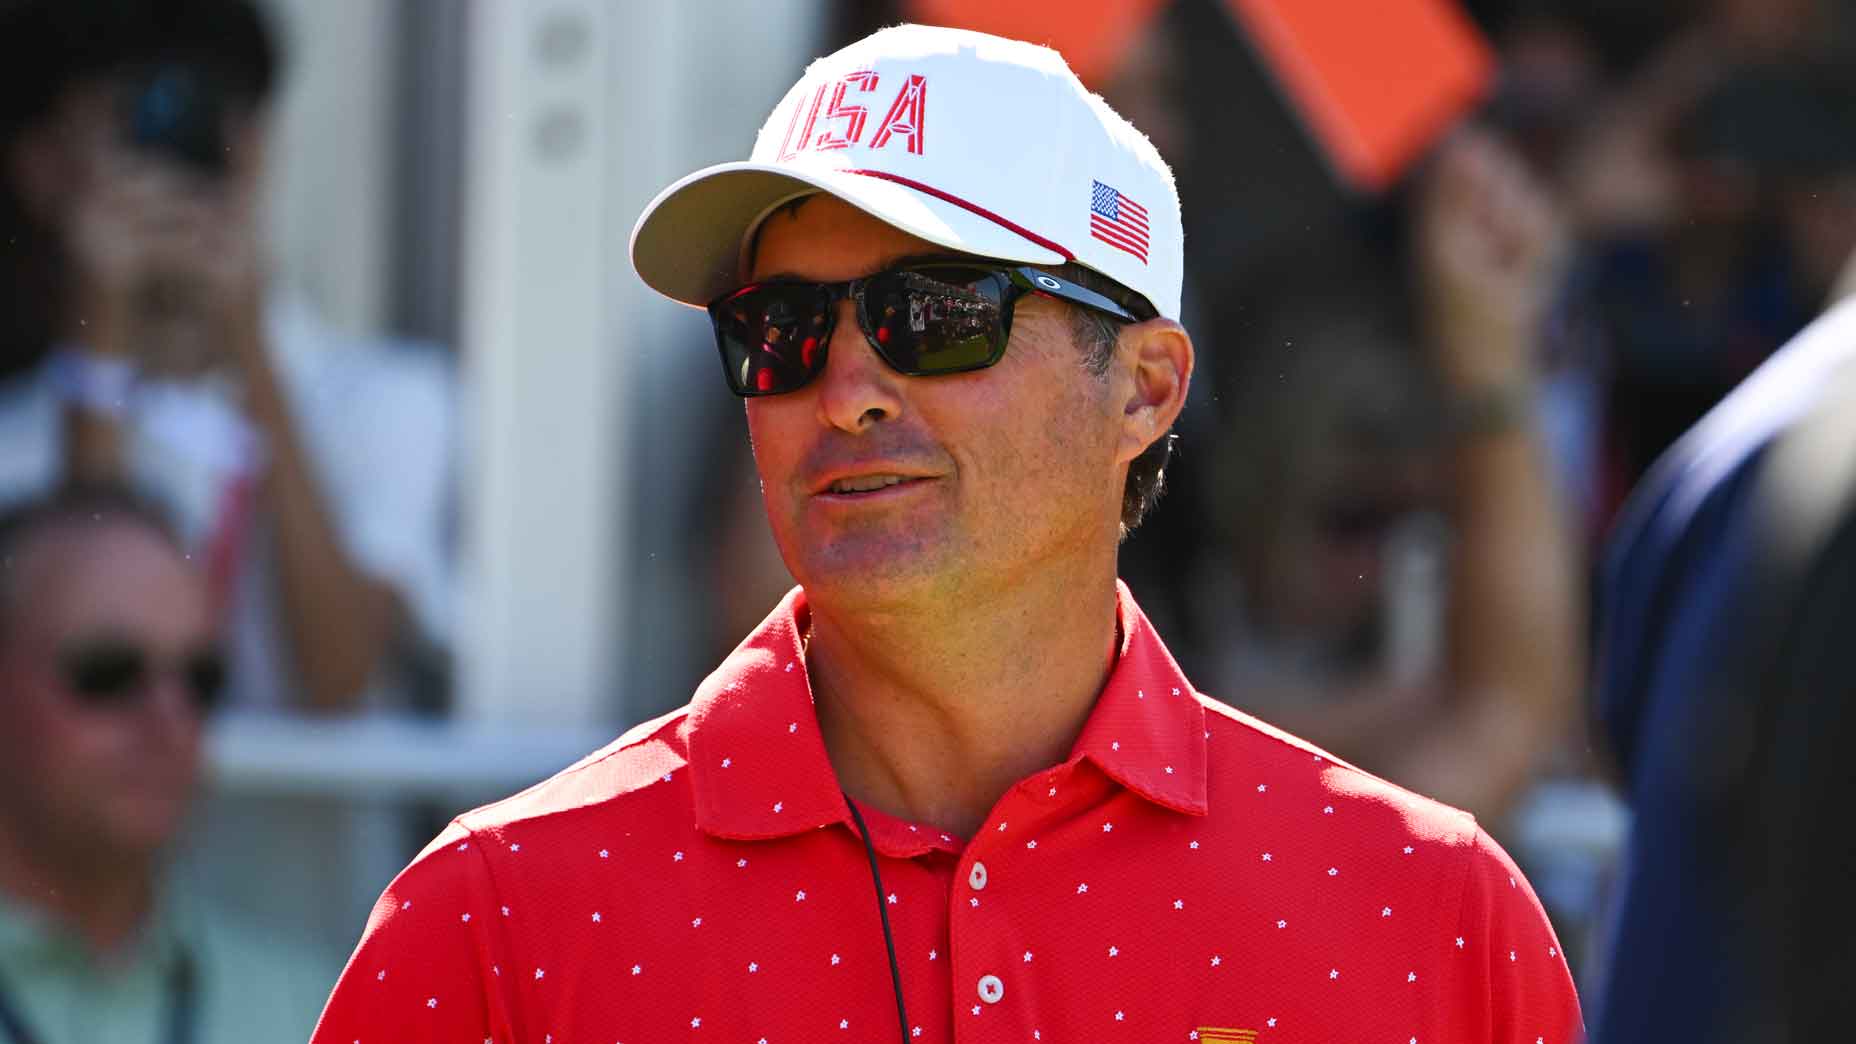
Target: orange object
(1376,82)
(1090,34)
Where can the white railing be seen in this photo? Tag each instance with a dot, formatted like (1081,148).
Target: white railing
(386,755)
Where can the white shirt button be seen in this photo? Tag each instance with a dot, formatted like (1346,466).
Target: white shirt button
(977,876)
(992,991)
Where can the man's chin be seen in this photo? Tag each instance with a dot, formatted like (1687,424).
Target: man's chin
(178,349)
(143,828)
(872,578)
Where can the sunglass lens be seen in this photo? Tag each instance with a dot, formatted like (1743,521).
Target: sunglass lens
(943,319)
(105,673)
(206,679)
(773,336)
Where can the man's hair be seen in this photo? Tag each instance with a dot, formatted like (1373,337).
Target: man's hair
(50,46)
(71,507)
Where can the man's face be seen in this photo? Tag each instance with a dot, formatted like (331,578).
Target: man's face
(116,206)
(1008,470)
(80,778)
(87,139)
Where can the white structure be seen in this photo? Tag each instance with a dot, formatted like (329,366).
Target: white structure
(579,111)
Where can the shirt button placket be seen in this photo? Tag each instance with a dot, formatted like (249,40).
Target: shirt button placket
(988,987)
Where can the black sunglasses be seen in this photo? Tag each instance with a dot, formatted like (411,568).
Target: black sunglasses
(115,674)
(923,318)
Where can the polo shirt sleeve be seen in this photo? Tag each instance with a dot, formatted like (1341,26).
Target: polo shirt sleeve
(1514,984)
(427,967)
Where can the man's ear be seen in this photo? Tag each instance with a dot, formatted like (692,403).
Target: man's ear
(1154,360)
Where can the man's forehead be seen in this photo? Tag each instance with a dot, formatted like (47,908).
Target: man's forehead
(883,263)
(830,239)
(72,568)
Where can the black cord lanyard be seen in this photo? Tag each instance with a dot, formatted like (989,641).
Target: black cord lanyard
(181,1011)
(882,910)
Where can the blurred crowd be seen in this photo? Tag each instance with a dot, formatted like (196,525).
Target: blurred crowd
(208,492)
(1418,418)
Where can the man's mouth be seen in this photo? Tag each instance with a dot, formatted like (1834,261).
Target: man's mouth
(865,483)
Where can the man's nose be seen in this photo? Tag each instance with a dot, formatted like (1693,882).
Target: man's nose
(171,706)
(857,388)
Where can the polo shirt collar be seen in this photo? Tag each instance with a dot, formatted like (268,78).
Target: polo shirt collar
(1147,731)
(759,770)
(758,766)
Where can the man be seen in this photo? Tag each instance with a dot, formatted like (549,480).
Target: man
(109,658)
(307,473)
(954,787)
(1391,578)
(1724,691)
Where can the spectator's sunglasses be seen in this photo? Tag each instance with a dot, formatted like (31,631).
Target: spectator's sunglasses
(924,318)
(117,674)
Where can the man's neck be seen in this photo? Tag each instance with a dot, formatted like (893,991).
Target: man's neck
(933,715)
(103,907)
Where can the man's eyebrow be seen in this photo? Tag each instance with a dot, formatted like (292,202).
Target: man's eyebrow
(884,265)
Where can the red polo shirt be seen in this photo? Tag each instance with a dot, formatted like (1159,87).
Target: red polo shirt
(1187,874)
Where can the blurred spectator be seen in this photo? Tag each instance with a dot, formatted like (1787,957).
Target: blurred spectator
(1394,576)
(307,473)
(1552,75)
(1724,688)
(109,660)
(1715,193)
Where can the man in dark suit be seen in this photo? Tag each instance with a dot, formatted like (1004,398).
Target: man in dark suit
(1727,661)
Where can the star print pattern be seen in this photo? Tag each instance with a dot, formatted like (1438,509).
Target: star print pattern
(1078,861)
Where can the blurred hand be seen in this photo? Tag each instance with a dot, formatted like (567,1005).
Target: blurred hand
(1490,251)
(1620,175)
(165,263)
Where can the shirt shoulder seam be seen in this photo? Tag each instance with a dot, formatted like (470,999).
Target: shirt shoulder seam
(631,738)
(1264,730)
(1465,870)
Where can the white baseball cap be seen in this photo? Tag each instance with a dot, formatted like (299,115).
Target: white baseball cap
(976,143)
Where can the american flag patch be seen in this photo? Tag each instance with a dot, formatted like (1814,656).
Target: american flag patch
(1118,221)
